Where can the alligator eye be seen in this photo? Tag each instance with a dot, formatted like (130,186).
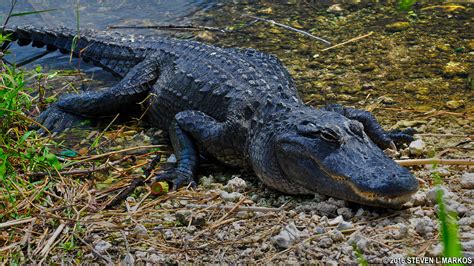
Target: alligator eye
(357,128)
(330,135)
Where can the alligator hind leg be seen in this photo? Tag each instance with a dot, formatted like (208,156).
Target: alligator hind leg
(372,128)
(132,89)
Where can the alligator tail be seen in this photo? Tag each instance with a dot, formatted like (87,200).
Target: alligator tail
(104,50)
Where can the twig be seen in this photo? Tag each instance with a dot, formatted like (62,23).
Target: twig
(290,28)
(90,158)
(9,15)
(124,193)
(435,161)
(16,222)
(241,208)
(44,252)
(169,27)
(348,41)
(80,171)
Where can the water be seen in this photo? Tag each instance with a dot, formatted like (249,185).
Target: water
(97,15)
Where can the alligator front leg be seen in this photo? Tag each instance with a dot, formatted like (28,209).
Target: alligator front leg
(372,128)
(187,130)
(130,90)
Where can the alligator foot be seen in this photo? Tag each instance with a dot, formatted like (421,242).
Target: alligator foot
(176,178)
(56,120)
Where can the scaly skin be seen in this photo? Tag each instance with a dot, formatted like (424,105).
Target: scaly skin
(241,107)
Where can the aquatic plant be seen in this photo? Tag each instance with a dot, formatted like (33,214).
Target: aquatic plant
(405,5)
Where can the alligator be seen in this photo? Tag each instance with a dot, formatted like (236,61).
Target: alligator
(239,106)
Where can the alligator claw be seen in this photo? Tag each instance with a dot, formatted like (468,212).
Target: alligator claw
(402,136)
(176,179)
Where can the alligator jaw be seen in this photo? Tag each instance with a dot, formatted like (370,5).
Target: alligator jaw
(378,200)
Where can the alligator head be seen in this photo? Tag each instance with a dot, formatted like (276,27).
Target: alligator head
(311,150)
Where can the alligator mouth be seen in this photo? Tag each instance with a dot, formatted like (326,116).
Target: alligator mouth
(376,199)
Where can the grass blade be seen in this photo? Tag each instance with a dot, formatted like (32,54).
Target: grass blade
(32,12)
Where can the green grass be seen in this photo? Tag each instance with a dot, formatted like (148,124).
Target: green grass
(21,149)
(448,225)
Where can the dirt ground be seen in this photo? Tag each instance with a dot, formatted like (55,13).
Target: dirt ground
(410,69)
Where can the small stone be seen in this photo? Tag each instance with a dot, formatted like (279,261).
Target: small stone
(336,235)
(231,197)
(157,259)
(397,26)
(185,217)
(128,260)
(289,235)
(447,195)
(140,231)
(416,147)
(468,246)
(436,250)
(402,232)
(455,104)
(336,8)
(171,159)
(419,198)
(236,184)
(168,234)
(345,226)
(423,226)
(467,181)
(102,246)
(325,242)
(345,212)
(336,220)
(456,69)
(363,244)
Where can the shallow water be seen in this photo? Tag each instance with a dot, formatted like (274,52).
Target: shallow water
(98,15)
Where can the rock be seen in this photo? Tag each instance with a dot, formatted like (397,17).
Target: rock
(419,198)
(456,69)
(185,217)
(436,250)
(128,260)
(346,213)
(468,246)
(231,197)
(289,235)
(236,184)
(423,225)
(168,234)
(157,258)
(467,181)
(336,221)
(171,159)
(325,242)
(416,147)
(397,26)
(447,195)
(140,232)
(336,235)
(102,246)
(363,244)
(454,104)
(402,232)
(336,8)
(345,226)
